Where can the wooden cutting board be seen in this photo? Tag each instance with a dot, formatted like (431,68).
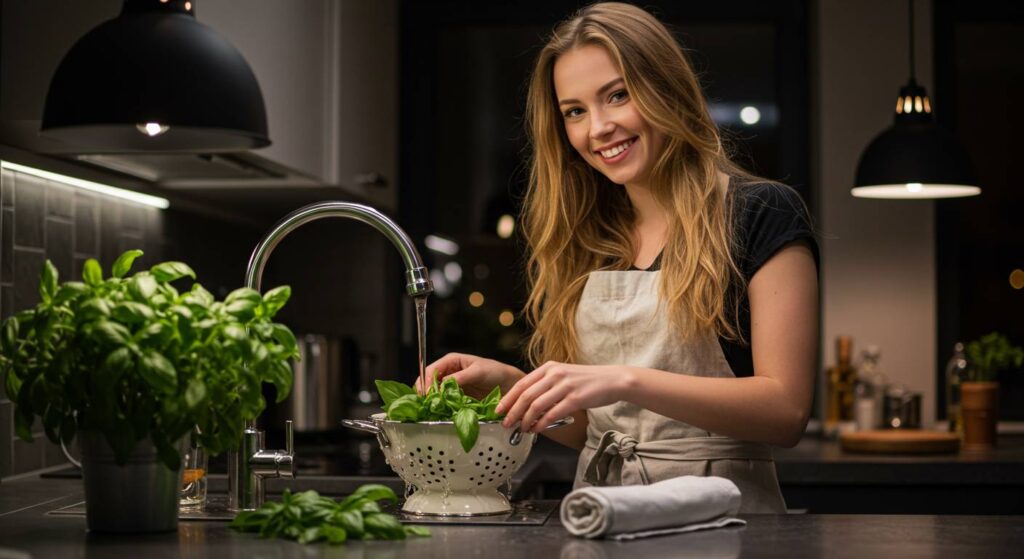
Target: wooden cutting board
(900,441)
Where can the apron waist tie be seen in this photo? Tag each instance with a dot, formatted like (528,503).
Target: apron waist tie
(617,448)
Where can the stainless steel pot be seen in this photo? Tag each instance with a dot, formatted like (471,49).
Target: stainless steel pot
(316,402)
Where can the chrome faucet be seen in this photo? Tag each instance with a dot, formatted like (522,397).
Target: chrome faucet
(251,464)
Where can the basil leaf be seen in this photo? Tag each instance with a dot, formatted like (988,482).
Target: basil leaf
(390,390)
(281,378)
(124,263)
(467,427)
(418,531)
(195,394)
(404,408)
(142,287)
(9,341)
(274,299)
(111,333)
(372,491)
(383,526)
(243,293)
(48,282)
(70,290)
(335,535)
(158,372)
(170,271)
(92,274)
(93,309)
(286,338)
(242,309)
(351,521)
(130,312)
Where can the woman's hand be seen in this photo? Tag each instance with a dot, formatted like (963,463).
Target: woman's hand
(477,376)
(555,390)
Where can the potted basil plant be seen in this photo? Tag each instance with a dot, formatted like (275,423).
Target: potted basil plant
(132,367)
(979,392)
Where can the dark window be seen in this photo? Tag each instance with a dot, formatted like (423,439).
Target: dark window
(979,66)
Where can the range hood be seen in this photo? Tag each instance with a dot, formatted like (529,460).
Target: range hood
(172,171)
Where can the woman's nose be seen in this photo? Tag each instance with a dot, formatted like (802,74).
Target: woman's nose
(600,127)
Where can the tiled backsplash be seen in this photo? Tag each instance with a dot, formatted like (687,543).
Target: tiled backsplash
(42,219)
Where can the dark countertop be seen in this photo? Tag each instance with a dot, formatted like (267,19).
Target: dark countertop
(25,527)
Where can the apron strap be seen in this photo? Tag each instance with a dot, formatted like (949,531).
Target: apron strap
(616,449)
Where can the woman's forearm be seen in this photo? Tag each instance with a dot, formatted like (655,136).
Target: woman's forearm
(757,409)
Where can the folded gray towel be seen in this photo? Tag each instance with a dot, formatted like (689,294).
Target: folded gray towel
(681,504)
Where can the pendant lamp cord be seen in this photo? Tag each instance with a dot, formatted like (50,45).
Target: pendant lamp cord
(910,7)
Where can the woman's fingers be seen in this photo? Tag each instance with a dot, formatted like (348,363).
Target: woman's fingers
(517,389)
(526,397)
(447,365)
(541,404)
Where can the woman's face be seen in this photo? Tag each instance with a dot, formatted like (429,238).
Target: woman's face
(601,121)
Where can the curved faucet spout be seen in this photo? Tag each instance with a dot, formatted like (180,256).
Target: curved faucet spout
(248,466)
(418,281)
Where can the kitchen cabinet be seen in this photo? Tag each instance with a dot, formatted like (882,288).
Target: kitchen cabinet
(328,71)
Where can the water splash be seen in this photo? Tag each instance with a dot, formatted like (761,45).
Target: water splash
(506,489)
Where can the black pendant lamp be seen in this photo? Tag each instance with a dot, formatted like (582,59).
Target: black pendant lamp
(155,79)
(914,158)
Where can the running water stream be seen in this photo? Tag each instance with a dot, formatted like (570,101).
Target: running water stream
(421,338)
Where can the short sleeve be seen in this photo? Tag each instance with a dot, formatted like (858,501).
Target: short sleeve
(768,216)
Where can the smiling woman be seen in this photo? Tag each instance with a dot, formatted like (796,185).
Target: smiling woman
(672,294)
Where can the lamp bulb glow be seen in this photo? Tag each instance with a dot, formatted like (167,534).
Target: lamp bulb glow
(750,115)
(152,128)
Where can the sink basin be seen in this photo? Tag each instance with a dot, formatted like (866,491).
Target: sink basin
(334,486)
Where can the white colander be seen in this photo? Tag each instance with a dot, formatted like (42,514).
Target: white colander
(449,481)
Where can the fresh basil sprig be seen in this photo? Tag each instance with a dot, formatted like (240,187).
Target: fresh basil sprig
(132,357)
(444,401)
(308,517)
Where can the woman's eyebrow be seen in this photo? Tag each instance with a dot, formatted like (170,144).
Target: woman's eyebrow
(600,91)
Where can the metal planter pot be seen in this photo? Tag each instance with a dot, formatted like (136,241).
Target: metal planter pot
(136,497)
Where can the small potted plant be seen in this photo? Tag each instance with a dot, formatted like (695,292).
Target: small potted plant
(979,393)
(132,367)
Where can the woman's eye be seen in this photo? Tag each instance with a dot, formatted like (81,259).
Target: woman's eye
(573,112)
(618,96)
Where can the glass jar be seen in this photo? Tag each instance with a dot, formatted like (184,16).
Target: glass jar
(956,373)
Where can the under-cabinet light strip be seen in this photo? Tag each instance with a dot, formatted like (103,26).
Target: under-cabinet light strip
(137,197)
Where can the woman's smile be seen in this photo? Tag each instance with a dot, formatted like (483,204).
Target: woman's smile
(617,152)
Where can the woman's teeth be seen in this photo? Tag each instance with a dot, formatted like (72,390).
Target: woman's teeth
(609,153)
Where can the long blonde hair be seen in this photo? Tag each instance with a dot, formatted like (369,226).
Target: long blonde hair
(576,221)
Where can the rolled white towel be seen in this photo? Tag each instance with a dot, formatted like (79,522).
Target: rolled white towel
(681,504)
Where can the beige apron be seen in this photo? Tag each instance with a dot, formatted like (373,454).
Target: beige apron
(620,321)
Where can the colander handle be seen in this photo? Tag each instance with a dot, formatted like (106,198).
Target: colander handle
(517,435)
(369,427)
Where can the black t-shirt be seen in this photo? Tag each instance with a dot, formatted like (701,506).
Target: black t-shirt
(766,217)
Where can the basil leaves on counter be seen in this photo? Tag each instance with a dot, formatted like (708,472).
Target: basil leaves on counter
(308,517)
(443,401)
